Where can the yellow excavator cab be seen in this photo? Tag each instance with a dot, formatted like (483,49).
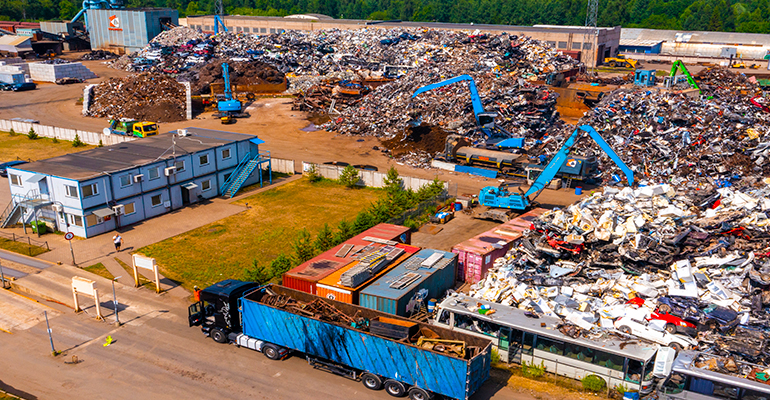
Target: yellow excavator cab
(621,61)
(145,128)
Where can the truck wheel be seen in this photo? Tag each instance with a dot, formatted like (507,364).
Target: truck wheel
(395,388)
(218,335)
(613,64)
(676,346)
(625,330)
(416,393)
(671,328)
(271,352)
(371,381)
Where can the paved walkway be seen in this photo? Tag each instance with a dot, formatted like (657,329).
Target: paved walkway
(100,249)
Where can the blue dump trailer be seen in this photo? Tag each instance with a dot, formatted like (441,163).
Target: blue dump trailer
(383,351)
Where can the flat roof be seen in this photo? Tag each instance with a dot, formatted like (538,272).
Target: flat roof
(640,42)
(411,24)
(685,364)
(381,288)
(128,155)
(546,326)
(333,279)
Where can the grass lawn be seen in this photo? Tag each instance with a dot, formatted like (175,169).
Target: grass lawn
(222,249)
(21,247)
(99,269)
(20,147)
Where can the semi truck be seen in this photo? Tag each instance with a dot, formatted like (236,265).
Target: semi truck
(382,351)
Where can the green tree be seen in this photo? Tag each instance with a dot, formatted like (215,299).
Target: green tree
(363,221)
(256,273)
(303,247)
(393,182)
(32,135)
(280,265)
(77,142)
(349,176)
(312,173)
(343,233)
(192,8)
(67,10)
(325,239)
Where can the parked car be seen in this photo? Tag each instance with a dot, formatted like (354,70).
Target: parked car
(711,317)
(674,324)
(5,86)
(69,81)
(4,166)
(641,329)
(20,87)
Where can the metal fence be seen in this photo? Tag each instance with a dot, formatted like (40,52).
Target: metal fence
(25,239)
(23,128)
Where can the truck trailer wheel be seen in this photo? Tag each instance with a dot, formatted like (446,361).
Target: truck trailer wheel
(271,352)
(371,381)
(395,388)
(416,393)
(218,335)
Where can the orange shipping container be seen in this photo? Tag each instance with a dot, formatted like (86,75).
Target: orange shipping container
(331,288)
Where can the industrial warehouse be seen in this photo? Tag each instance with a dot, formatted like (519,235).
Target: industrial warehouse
(419,209)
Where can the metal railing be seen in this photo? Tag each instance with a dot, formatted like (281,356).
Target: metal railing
(25,239)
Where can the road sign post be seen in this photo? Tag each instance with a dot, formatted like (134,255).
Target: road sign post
(69,236)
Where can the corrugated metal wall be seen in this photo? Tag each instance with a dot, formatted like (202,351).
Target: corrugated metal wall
(130,29)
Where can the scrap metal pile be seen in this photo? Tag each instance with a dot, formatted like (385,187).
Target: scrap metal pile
(689,261)
(668,137)
(145,97)
(242,73)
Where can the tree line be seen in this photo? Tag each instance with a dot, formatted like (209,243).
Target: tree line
(697,15)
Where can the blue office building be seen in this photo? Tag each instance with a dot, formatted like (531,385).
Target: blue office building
(101,189)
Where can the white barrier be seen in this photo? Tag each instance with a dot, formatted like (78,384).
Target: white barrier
(281,165)
(368,178)
(23,128)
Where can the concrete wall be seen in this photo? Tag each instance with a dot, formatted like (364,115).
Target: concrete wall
(368,178)
(51,72)
(62,133)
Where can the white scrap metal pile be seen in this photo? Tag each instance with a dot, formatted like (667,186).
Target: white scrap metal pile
(655,262)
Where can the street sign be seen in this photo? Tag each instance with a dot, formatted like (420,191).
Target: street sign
(69,235)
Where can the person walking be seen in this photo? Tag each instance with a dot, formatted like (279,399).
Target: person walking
(118,241)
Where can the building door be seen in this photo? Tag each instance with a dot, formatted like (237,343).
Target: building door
(185,196)
(43,186)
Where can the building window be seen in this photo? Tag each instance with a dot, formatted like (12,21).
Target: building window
(225,154)
(206,185)
(552,44)
(156,200)
(71,191)
(272,30)
(562,45)
(90,190)
(179,166)
(227,176)
(76,220)
(154,173)
(247,29)
(587,46)
(204,159)
(125,180)
(576,45)
(129,209)
(263,30)
(15,179)
(93,219)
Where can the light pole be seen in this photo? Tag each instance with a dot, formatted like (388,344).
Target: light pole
(2,276)
(115,300)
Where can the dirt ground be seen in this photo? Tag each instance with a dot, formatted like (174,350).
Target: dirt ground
(272,119)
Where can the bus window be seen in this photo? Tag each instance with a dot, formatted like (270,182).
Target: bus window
(608,360)
(527,342)
(634,371)
(648,369)
(675,384)
(505,338)
(551,346)
(586,354)
(464,322)
(698,385)
(749,394)
(572,350)
(475,325)
(444,317)
(722,391)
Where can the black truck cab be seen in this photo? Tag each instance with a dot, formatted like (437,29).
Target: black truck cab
(217,311)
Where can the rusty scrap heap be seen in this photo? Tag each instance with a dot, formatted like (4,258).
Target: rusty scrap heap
(147,97)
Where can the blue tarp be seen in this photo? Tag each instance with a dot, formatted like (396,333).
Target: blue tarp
(476,171)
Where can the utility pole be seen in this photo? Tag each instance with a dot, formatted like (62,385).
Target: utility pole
(50,338)
(115,300)
(591,34)
(2,276)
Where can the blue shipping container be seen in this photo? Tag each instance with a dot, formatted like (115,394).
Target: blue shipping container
(394,290)
(430,370)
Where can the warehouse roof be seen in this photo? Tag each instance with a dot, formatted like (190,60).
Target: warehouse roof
(640,42)
(726,38)
(109,159)
(14,40)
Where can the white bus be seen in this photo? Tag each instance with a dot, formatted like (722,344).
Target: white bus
(688,381)
(519,339)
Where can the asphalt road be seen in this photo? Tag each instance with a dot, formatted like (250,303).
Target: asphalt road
(157,356)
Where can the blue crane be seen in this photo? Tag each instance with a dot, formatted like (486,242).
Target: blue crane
(485,120)
(492,196)
(230,107)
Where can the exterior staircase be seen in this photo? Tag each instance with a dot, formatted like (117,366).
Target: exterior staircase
(242,172)
(14,211)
